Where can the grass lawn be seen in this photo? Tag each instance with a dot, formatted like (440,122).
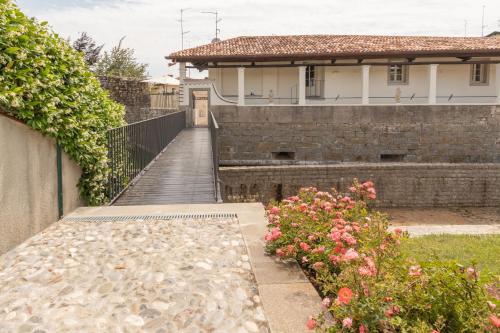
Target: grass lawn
(484,251)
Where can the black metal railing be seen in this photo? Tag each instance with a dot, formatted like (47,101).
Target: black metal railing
(314,88)
(214,141)
(132,147)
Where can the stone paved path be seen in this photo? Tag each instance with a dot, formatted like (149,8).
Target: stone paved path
(153,276)
(182,174)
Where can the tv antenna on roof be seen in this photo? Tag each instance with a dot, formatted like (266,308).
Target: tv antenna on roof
(482,23)
(217,20)
(182,27)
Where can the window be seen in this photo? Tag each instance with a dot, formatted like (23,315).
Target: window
(310,76)
(397,74)
(479,74)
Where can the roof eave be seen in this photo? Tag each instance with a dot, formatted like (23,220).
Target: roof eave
(329,56)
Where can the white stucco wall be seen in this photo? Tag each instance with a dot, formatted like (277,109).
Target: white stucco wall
(342,84)
(28,183)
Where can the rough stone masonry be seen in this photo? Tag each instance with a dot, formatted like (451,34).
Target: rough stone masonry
(409,133)
(134,94)
(417,155)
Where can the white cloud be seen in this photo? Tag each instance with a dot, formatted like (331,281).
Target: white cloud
(152,28)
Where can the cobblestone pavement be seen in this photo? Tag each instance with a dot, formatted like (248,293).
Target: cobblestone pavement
(154,276)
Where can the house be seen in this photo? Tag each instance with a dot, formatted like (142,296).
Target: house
(494,34)
(163,92)
(163,84)
(345,69)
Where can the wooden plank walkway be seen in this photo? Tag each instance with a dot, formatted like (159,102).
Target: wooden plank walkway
(182,174)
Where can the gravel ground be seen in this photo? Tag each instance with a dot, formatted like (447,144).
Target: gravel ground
(154,276)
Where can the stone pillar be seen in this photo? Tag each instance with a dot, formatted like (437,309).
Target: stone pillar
(497,82)
(302,85)
(432,83)
(241,86)
(365,83)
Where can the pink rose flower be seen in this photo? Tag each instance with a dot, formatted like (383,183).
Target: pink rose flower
(311,323)
(471,273)
(344,295)
(350,255)
(304,246)
(326,302)
(415,270)
(335,235)
(347,322)
(318,265)
(494,320)
(275,210)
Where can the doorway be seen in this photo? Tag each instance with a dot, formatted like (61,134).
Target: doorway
(199,100)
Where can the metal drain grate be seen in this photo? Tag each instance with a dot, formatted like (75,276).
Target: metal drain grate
(150,217)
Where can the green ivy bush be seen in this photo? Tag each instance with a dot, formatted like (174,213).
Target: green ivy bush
(367,283)
(46,84)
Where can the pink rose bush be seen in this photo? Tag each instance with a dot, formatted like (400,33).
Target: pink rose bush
(367,284)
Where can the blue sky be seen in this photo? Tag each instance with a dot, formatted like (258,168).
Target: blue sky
(153,30)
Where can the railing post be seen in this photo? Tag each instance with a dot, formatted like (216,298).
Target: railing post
(60,203)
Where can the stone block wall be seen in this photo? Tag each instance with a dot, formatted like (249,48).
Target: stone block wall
(398,184)
(134,94)
(364,133)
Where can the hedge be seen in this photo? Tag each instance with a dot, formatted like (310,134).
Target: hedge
(46,84)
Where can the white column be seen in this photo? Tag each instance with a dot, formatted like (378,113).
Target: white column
(182,70)
(302,85)
(365,82)
(432,83)
(241,86)
(182,77)
(497,80)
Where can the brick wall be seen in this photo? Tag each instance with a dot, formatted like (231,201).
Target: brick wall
(398,184)
(408,133)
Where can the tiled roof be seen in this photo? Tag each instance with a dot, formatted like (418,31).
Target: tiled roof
(331,46)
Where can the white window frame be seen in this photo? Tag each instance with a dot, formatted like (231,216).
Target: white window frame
(392,77)
(480,78)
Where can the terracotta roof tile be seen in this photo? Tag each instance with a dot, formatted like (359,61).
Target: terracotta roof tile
(329,46)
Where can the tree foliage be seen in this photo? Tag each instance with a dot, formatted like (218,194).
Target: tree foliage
(120,61)
(45,83)
(91,51)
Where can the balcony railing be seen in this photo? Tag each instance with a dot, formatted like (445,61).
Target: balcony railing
(133,147)
(315,88)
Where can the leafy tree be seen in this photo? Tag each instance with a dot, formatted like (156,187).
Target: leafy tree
(88,47)
(120,61)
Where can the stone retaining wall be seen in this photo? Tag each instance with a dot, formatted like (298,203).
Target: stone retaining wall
(134,94)
(364,133)
(398,184)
